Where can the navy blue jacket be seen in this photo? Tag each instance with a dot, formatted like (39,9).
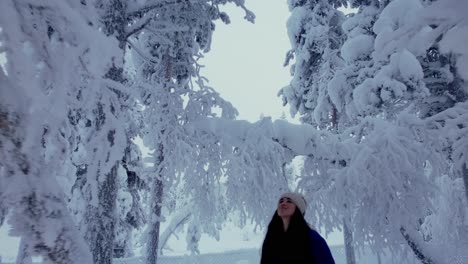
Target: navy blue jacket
(319,249)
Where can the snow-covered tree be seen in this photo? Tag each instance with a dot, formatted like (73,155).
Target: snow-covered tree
(96,106)
(130,207)
(385,86)
(98,145)
(449,30)
(439,30)
(50,56)
(316,37)
(172,94)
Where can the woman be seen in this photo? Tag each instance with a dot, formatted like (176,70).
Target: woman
(289,239)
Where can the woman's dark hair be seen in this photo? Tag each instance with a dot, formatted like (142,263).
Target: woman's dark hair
(297,236)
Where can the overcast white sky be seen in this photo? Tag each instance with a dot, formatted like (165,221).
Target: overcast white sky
(245,64)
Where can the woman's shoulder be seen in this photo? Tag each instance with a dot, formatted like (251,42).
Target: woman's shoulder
(316,238)
(314,234)
(320,249)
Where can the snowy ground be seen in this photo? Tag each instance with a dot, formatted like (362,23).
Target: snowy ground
(249,256)
(232,238)
(236,246)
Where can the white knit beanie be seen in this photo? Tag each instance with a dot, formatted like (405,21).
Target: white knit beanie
(298,199)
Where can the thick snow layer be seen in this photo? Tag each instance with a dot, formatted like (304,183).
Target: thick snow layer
(456,41)
(294,24)
(451,14)
(397,14)
(357,47)
(390,27)
(421,41)
(409,66)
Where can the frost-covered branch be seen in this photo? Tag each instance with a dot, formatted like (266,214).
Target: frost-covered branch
(178,220)
(140,10)
(23,256)
(301,140)
(415,247)
(143,56)
(137,26)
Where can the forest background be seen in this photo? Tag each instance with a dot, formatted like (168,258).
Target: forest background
(380,94)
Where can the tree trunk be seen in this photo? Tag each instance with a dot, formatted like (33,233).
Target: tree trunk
(349,247)
(23,257)
(3,213)
(415,248)
(155,219)
(101,231)
(153,243)
(465,179)
(158,188)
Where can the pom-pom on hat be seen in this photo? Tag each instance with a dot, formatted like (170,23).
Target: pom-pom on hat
(298,199)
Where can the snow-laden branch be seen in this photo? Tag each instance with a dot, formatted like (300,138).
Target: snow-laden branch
(137,26)
(413,243)
(300,139)
(249,15)
(141,53)
(143,9)
(179,219)
(450,18)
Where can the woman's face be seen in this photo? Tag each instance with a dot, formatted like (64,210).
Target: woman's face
(286,207)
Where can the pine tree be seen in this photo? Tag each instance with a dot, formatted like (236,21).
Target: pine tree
(386,80)
(315,30)
(165,53)
(317,38)
(131,215)
(35,92)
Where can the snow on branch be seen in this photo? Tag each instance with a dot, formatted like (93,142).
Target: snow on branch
(137,26)
(299,139)
(140,10)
